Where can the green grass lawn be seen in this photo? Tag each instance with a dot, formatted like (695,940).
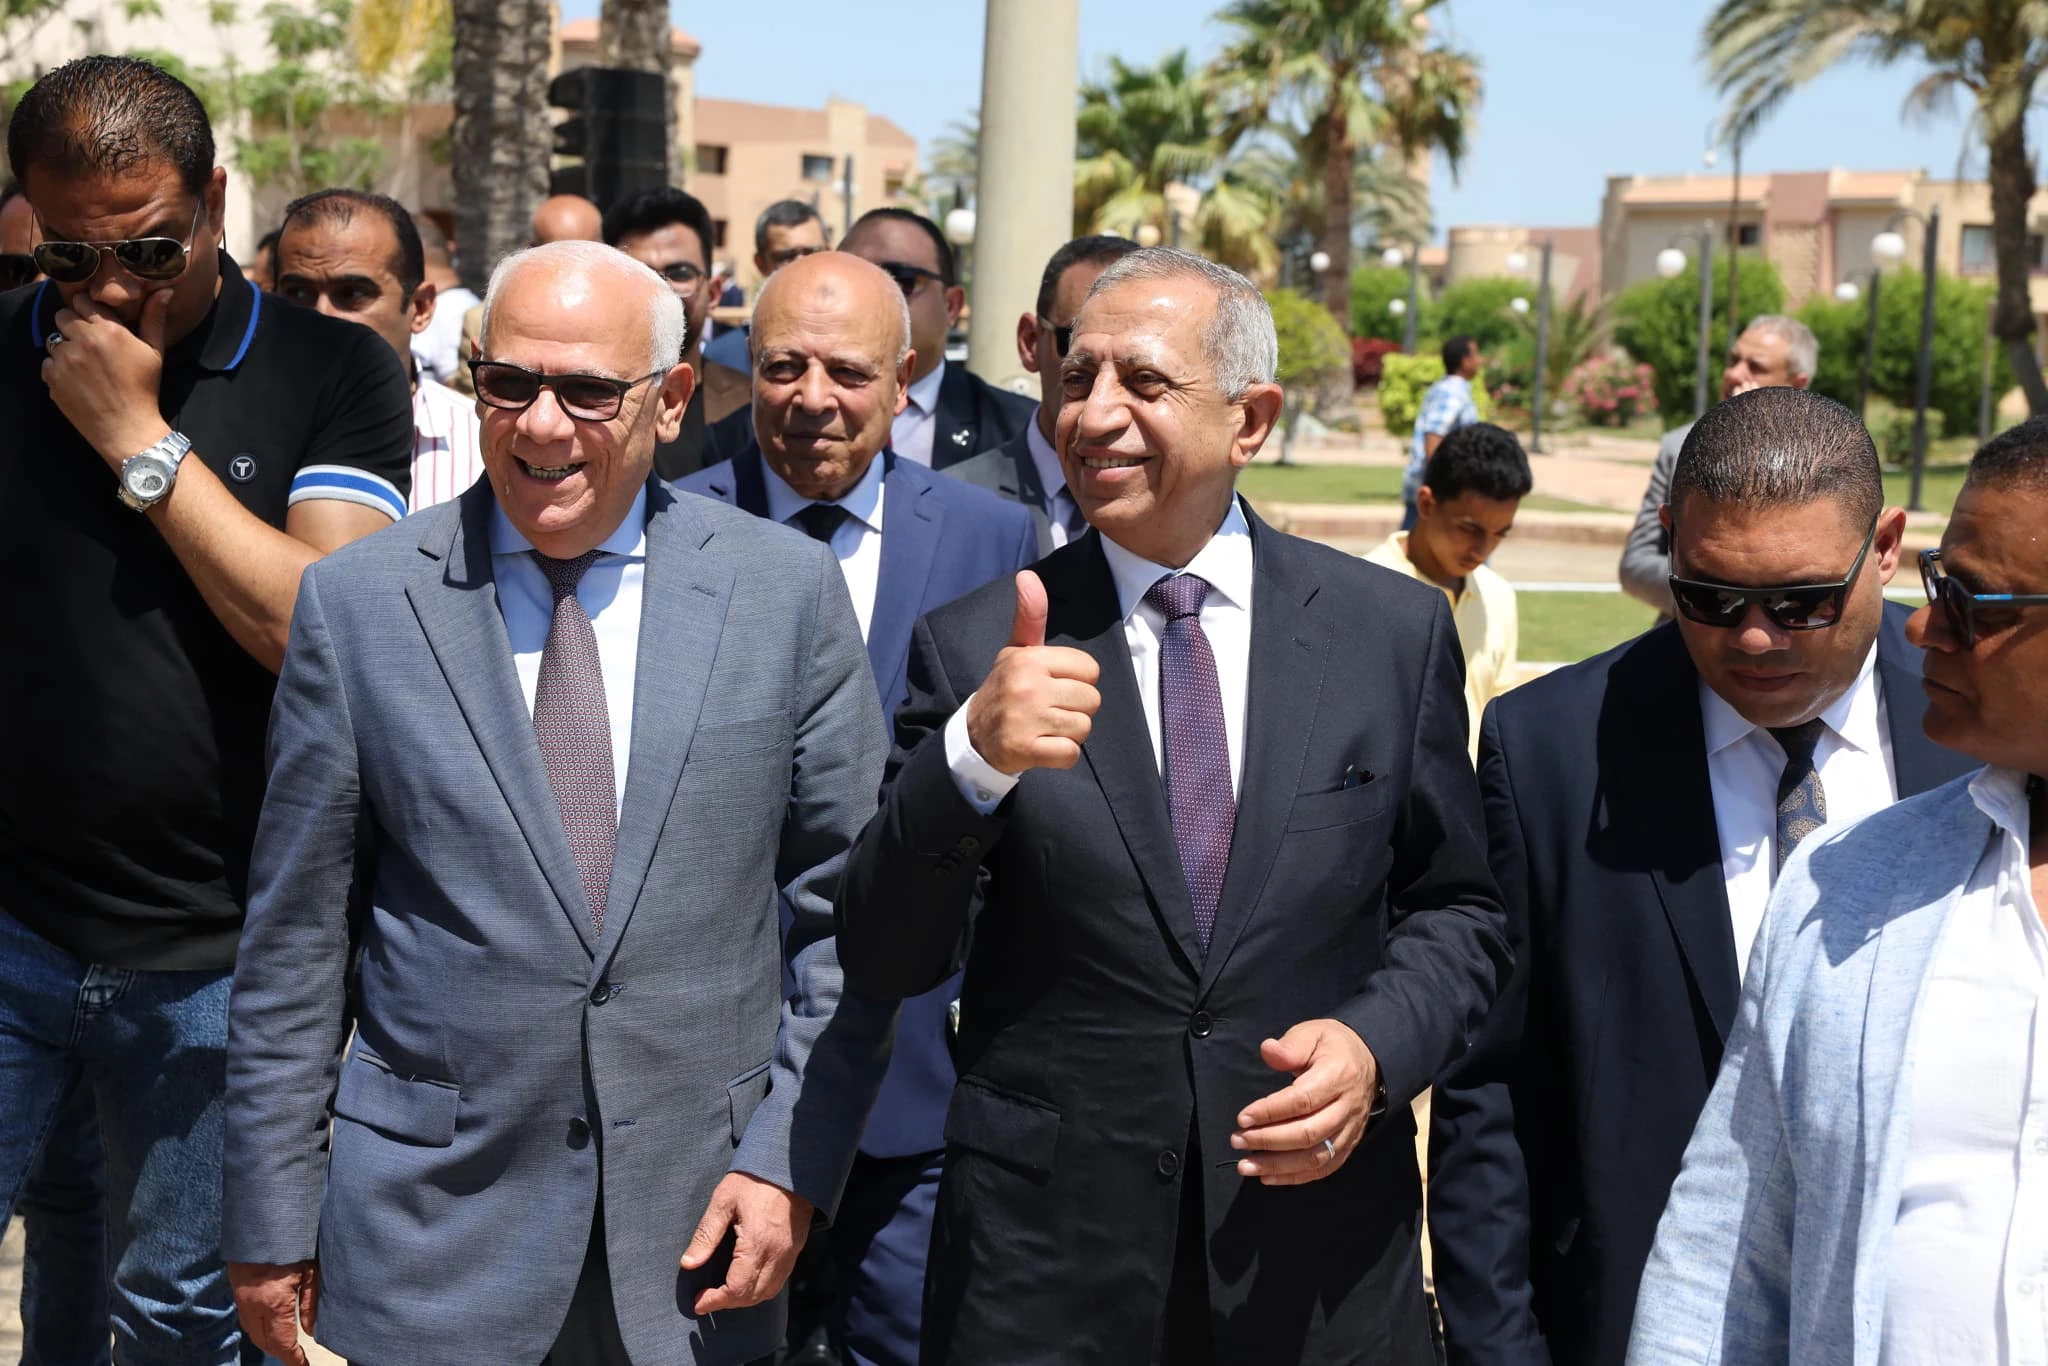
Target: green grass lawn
(1267,483)
(1563,628)
(1938,489)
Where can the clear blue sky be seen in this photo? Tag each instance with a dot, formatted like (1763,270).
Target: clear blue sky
(1576,90)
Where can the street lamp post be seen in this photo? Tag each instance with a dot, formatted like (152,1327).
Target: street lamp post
(1869,342)
(1670,262)
(1890,246)
(1393,256)
(1517,262)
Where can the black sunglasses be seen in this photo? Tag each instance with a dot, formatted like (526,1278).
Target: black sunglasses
(1960,605)
(17,268)
(906,275)
(1791,607)
(1062,337)
(591,398)
(146,258)
(681,272)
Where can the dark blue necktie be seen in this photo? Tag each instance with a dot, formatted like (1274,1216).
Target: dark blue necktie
(1802,803)
(1197,747)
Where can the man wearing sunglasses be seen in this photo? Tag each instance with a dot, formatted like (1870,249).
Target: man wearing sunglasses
(1870,1174)
(594,749)
(669,232)
(1026,469)
(1640,807)
(180,449)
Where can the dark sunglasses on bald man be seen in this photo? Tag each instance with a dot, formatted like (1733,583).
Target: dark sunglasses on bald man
(591,398)
(146,258)
(906,275)
(1791,607)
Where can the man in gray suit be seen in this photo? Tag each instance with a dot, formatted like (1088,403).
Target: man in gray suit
(1773,352)
(573,747)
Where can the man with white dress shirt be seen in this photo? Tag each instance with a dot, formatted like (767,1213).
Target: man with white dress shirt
(1869,1183)
(949,413)
(1640,806)
(831,349)
(1221,856)
(1025,469)
(593,752)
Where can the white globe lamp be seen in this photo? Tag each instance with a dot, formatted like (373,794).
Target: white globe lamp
(1670,262)
(960,226)
(1888,247)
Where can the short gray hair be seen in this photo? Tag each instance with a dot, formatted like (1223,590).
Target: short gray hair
(1240,343)
(1779,448)
(1802,348)
(667,321)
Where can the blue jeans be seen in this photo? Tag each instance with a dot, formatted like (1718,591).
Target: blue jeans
(148,1052)
(64,1311)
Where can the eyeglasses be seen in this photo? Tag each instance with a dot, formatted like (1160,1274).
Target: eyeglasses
(146,258)
(17,268)
(1792,607)
(906,275)
(590,398)
(1062,337)
(779,259)
(681,272)
(1960,605)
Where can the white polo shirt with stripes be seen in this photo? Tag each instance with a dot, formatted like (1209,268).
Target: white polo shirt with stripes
(447,450)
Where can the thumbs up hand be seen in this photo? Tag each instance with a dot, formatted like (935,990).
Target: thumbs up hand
(1038,702)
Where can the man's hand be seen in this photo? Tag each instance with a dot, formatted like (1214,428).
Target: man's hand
(105,378)
(274,1303)
(1038,703)
(1335,1079)
(769,1226)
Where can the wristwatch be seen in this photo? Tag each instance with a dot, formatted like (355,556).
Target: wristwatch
(146,476)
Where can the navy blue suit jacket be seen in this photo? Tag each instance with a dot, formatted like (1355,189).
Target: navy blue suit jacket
(941,539)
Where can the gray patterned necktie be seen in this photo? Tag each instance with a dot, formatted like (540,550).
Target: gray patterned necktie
(574,726)
(1802,803)
(1198,790)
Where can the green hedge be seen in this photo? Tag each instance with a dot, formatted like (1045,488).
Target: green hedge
(1958,355)
(1657,322)
(1403,381)
(1372,289)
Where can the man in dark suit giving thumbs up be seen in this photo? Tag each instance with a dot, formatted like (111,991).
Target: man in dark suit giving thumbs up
(1234,911)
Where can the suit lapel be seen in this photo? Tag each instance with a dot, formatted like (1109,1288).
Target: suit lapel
(1025,487)
(953,419)
(683,601)
(456,601)
(911,524)
(746,487)
(1086,615)
(1289,652)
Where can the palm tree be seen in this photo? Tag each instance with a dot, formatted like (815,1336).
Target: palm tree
(1387,203)
(1760,51)
(500,139)
(955,158)
(1348,74)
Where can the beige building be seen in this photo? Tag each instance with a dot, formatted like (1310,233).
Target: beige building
(1816,227)
(1480,251)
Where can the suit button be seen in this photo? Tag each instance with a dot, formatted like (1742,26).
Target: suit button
(968,845)
(600,993)
(579,1131)
(1169,1163)
(1202,1023)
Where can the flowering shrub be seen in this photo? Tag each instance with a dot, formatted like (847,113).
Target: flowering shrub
(1366,355)
(1611,391)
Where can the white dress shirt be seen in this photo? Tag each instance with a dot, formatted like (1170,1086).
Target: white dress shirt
(910,435)
(857,544)
(609,592)
(1226,562)
(447,445)
(1060,507)
(1744,764)
(1967,1274)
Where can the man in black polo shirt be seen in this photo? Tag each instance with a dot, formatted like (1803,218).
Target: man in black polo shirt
(177,449)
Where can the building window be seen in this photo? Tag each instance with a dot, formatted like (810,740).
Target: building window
(1980,253)
(818,168)
(892,186)
(1749,235)
(710,159)
(718,234)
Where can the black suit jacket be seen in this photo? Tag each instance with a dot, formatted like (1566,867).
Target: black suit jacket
(1008,471)
(1096,1036)
(1555,1141)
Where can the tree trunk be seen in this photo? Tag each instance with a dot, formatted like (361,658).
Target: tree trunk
(634,34)
(501,139)
(2012,185)
(1338,154)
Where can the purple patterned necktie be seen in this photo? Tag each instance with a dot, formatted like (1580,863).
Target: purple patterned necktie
(1198,791)
(575,730)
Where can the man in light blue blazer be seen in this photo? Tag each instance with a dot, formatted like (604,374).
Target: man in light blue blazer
(832,360)
(1868,1185)
(579,749)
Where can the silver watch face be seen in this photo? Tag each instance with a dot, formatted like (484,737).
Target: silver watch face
(146,478)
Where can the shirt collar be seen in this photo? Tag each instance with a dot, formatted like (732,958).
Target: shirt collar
(218,343)
(1853,717)
(2001,794)
(628,538)
(1050,475)
(863,500)
(1225,563)
(925,392)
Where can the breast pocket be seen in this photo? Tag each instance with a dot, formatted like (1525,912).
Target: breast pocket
(411,1109)
(1010,1128)
(738,739)
(1347,806)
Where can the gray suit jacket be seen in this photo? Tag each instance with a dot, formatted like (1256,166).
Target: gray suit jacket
(1008,471)
(1646,557)
(509,1066)
(1773,1248)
